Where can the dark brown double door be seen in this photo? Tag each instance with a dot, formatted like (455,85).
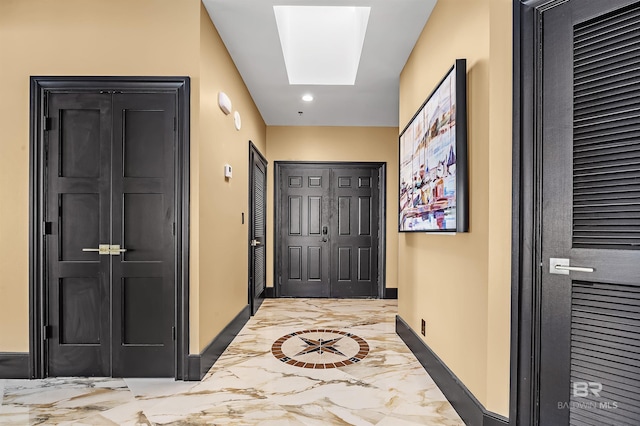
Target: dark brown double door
(328,230)
(109,245)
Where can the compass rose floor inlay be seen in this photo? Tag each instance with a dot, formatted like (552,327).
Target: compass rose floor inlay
(320,348)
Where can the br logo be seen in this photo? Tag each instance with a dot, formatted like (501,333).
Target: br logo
(584,389)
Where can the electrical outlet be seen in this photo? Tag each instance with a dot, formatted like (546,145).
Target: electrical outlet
(423,326)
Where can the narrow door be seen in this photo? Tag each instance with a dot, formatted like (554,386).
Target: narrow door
(590,322)
(304,232)
(143,225)
(328,231)
(257,228)
(77,215)
(354,232)
(110,250)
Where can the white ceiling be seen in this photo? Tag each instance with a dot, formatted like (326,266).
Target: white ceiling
(248,29)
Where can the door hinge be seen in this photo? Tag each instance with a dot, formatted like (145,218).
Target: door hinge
(46,152)
(47,228)
(46,123)
(173,333)
(46,332)
(175,123)
(280,280)
(173,228)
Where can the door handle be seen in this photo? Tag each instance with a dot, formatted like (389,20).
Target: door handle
(255,243)
(574,268)
(115,250)
(102,249)
(325,232)
(561,266)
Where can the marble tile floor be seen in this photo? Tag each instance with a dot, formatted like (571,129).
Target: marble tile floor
(297,362)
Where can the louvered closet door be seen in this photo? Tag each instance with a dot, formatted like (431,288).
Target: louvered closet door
(258,228)
(590,324)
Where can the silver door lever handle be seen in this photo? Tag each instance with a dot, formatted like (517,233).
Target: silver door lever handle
(561,266)
(102,249)
(113,250)
(574,268)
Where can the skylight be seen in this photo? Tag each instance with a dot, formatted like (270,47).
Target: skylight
(322,44)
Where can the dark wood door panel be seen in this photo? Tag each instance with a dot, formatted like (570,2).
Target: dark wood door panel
(144,217)
(305,252)
(142,344)
(78,333)
(143,127)
(306,270)
(79,150)
(143,223)
(77,206)
(71,206)
(355,241)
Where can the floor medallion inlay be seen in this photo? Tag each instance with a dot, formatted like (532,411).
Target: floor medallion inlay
(320,348)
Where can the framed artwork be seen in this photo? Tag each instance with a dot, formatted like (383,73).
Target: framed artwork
(433,160)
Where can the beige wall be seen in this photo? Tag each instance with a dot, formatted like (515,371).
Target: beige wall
(129,38)
(222,239)
(460,284)
(374,144)
(500,180)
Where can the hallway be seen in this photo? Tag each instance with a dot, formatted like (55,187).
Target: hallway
(344,365)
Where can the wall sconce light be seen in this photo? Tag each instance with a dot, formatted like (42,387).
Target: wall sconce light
(224,103)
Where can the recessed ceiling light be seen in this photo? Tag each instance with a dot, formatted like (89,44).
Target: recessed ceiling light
(307,98)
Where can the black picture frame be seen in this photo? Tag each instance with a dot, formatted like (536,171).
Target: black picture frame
(433,166)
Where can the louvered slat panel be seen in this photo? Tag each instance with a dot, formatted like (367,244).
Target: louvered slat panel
(620,134)
(628,304)
(592,196)
(603,38)
(586,317)
(605,24)
(616,66)
(260,273)
(607,153)
(260,210)
(603,105)
(604,83)
(260,202)
(605,349)
(606,132)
